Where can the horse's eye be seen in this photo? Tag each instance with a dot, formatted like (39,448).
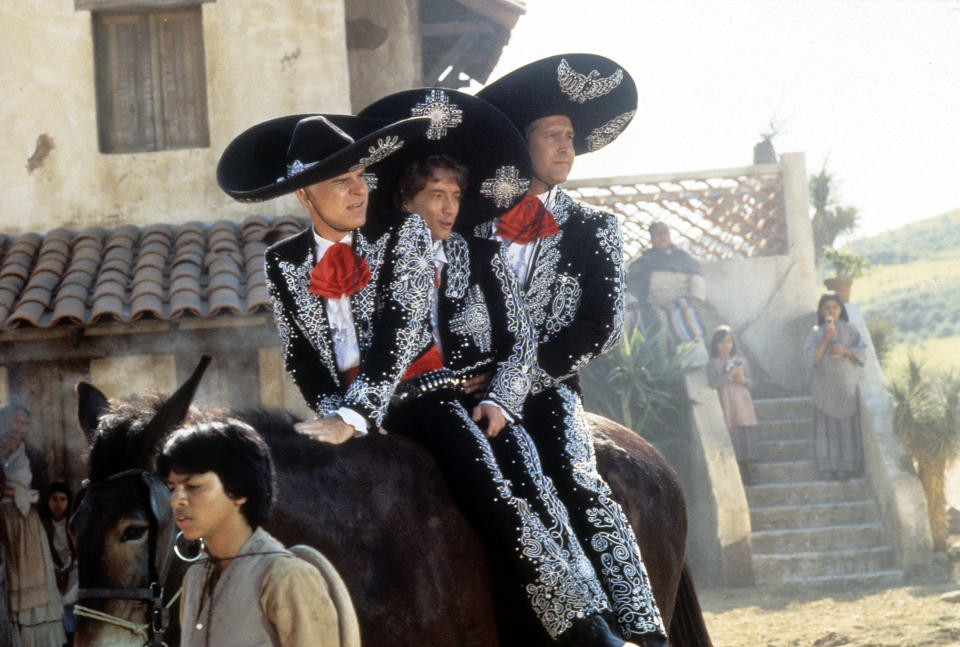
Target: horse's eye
(133,533)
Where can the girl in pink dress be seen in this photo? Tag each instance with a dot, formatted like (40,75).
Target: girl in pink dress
(727,372)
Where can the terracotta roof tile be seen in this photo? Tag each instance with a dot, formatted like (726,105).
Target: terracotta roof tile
(159,271)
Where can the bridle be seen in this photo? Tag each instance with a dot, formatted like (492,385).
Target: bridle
(161,540)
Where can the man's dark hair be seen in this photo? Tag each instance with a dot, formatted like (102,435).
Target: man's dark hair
(235,452)
(416,175)
(656,224)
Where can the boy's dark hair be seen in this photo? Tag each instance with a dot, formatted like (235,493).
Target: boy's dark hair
(718,335)
(416,175)
(235,452)
(830,296)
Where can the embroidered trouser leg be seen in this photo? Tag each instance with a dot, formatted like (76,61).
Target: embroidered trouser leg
(559,591)
(554,418)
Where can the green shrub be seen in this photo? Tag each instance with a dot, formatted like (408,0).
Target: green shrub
(845,263)
(883,335)
(926,416)
(639,383)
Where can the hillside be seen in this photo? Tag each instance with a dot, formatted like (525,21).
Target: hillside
(918,240)
(915,284)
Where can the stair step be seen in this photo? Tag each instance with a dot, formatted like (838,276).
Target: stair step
(777,494)
(769,569)
(784,472)
(885,578)
(782,408)
(813,515)
(786,429)
(824,538)
(785,450)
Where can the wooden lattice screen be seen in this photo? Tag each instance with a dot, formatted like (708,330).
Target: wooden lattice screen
(734,213)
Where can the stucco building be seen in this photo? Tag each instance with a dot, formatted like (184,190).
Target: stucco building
(120,259)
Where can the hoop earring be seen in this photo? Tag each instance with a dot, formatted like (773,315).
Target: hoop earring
(176,549)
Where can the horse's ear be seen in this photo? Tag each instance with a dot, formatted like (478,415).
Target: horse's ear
(172,412)
(91,404)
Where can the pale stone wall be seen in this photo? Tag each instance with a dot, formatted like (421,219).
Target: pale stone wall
(888,466)
(263,59)
(767,300)
(718,512)
(124,377)
(385,50)
(277,389)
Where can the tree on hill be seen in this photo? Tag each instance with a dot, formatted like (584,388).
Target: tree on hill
(830,220)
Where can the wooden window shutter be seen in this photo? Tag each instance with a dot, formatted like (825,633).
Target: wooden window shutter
(181,95)
(151,80)
(125,109)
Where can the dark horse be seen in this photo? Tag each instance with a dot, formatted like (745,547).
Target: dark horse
(375,506)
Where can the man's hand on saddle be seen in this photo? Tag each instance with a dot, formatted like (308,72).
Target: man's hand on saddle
(330,430)
(493,416)
(477,386)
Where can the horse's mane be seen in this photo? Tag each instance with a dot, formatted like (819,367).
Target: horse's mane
(119,442)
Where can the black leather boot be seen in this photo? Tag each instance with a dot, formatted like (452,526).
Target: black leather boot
(592,631)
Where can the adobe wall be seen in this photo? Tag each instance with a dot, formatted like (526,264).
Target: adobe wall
(263,59)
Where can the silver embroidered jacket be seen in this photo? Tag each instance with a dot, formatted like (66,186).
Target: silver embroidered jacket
(391,315)
(483,323)
(574,291)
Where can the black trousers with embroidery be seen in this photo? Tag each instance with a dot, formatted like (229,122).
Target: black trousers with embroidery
(554,419)
(559,587)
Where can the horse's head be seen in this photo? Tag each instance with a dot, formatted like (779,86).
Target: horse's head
(123,523)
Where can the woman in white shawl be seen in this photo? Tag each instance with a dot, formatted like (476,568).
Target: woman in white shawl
(35,605)
(834,354)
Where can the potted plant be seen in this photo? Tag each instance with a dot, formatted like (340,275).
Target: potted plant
(846,267)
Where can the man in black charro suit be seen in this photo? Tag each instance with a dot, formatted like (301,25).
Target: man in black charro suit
(569,262)
(358,343)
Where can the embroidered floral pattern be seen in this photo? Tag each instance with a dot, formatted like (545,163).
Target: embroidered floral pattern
(511,381)
(443,114)
(603,135)
(585,87)
(560,593)
(505,187)
(310,311)
(371,180)
(565,302)
(385,147)
(458,266)
(624,575)
(296,167)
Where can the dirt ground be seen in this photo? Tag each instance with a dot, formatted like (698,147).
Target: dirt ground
(911,615)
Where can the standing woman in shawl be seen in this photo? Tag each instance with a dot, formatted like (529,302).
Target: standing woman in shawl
(35,605)
(834,353)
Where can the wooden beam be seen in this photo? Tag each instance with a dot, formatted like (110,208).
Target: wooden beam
(503,12)
(132,5)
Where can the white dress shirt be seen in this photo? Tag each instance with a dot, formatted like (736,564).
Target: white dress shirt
(345,346)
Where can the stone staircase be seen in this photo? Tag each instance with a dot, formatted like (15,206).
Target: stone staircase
(806,530)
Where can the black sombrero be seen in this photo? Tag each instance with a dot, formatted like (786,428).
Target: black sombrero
(281,155)
(472,132)
(595,93)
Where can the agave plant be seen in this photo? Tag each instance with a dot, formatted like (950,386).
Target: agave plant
(926,416)
(639,383)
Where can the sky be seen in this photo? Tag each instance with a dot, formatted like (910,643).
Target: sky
(872,88)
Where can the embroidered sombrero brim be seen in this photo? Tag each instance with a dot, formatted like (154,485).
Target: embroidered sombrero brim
(595,93)
(472,132)
(281,155)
